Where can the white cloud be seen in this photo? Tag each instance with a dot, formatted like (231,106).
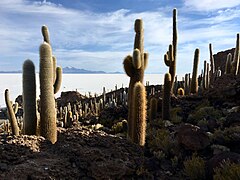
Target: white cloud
(100,41)
(209,5)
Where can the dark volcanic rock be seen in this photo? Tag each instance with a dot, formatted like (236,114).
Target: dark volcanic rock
(70,96)
(225,90)
(192,137)
(79,153)
(221,57)
(233,119)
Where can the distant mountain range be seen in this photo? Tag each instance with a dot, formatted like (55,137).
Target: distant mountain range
(72,70)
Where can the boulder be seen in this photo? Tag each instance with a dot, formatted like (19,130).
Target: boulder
(192,137)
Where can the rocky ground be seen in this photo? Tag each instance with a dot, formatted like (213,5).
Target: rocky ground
(202,141)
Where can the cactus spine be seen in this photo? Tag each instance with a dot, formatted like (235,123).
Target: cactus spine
(166,97)
(29,98)
(139,114)
(228,64)
(134,67)
(12,117)
(235,63)
(194,82)
(47,103)
(170,58)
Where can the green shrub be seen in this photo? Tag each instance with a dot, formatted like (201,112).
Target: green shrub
(227,171)
(204,113)
(194,168)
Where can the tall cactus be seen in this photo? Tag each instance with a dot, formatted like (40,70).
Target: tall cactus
(134,67)
(166,97)
(205,75)
(12,117)
(170,58)
(194,82)
(139,114)
(47,103)
(57,71)
(29,98)
(236,57)
(212,61)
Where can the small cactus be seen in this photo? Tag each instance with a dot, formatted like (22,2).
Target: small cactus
(228,64)
(12,117)
(153,108)
(180,92)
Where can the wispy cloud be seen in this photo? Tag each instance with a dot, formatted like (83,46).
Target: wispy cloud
(209,5)
(100,41)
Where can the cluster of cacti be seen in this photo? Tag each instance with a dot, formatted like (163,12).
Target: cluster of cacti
(134,67)
(170,58)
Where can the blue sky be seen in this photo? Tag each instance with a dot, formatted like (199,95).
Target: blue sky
(98,34)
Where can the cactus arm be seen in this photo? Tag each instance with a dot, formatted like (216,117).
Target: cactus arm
(58,82)
(12,117)
(136,59)
(54,60)
(146,56)
(128,65)
(166,59)
(45,34)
